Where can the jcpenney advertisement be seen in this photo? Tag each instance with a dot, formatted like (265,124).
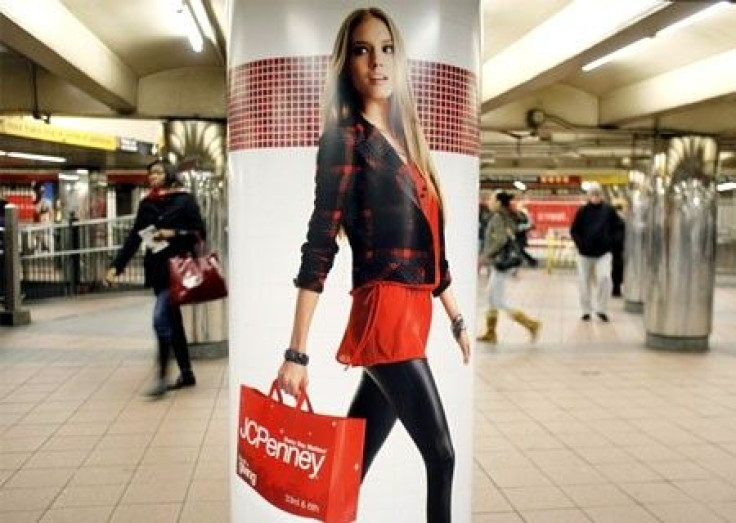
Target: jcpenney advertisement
(353,162)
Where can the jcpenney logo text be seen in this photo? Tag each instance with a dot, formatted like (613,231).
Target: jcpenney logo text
(294,453)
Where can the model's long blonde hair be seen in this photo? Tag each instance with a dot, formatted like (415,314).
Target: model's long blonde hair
(342,102)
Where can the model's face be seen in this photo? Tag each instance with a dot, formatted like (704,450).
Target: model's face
(156,176)
(594,198)
(372,60)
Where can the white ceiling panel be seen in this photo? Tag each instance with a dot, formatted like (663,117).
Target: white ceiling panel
(146,34)
(505,21)
(661,54)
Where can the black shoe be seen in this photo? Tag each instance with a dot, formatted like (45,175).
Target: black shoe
(616,293)
(158,389)
(585,317)
(603,317)
(186,379)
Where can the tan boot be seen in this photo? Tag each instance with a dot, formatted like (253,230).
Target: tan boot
(491,321)
(533,326)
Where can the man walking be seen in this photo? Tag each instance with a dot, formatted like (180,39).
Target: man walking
(594,231)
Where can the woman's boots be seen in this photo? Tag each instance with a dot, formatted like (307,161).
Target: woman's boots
(491,321)
(533,326)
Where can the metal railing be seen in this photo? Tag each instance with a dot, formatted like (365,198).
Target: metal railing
(71,258)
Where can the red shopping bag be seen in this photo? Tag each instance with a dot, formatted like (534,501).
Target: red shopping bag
(303,463)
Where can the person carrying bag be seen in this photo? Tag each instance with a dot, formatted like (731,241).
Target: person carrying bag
(502,253)
(168,223)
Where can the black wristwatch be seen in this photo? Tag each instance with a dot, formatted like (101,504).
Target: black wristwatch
(295,356)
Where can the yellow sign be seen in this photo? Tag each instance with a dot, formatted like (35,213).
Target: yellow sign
(617,178)
(34,130)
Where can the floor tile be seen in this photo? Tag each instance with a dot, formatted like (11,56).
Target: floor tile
(209,511)
(150,513)
(89,496)
(77,515)
(33,478)
(684,513)
(539,497)
(40,498)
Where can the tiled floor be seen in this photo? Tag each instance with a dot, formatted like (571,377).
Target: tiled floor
(584,426)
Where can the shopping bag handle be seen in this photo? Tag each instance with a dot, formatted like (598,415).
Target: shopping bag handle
(301,400)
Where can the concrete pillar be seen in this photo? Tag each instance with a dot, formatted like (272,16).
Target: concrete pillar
(278,58)
(681,245)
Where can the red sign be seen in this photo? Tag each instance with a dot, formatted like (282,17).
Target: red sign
(552,215)
(24,202)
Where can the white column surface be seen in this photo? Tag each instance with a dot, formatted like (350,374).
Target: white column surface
(271,198)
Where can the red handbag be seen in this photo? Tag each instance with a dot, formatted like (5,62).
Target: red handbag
(304,463)
(196,278)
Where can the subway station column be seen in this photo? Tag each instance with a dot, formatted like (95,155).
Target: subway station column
(678,310)
(278,61)
(635,261)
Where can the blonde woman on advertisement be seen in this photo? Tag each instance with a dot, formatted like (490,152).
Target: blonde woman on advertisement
(500,230)
(376,182)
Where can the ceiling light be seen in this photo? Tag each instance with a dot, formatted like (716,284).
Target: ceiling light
(624,51)
(82,171)
(37,157)
(193,33)
(68,177)
(700,15)
(200,17)
(726,186)
(620,53)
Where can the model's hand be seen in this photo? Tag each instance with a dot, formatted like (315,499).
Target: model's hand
(464,342)
(293,378)
(164,234)
(110,276)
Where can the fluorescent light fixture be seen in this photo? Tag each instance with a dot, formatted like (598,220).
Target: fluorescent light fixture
(68,177)
(200,17)
(620,53)
(520,185)
(726,186)
(190,25)
(700,15)
(37,157)
(82,171)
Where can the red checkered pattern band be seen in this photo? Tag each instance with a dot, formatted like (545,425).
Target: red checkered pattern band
(276,103)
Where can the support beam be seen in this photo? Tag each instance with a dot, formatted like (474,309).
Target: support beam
(702,81)
(49,35)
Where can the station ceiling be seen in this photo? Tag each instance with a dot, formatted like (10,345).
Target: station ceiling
(108,58)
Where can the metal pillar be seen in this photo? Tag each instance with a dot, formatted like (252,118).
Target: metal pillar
(198,147)
(681,245)
(12,314)
(636,227)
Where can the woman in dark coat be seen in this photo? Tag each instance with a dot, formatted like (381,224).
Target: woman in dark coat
(174,215)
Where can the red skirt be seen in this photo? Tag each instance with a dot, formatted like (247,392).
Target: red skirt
(388,323)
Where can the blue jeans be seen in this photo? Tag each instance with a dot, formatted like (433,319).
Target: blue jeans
(169,327)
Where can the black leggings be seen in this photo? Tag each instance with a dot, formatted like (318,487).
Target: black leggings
(406,390)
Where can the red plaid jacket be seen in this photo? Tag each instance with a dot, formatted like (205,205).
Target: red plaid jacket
(363,186)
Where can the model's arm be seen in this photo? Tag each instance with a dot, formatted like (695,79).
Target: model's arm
(292,376)
(453,311)
(333,182)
